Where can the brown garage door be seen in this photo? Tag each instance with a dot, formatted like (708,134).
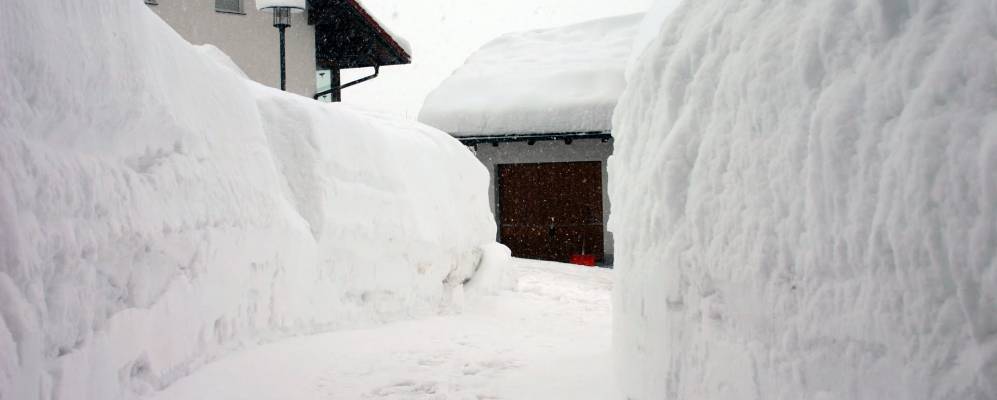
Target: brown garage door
(550,211)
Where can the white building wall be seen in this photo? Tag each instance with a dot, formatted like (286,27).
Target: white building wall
(549,152)
(249,39)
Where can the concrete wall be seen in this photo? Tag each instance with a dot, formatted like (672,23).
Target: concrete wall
(250,39)
(545,152)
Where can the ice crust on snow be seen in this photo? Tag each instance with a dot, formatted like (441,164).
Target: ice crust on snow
(565,79)
(158,210)
(804,201)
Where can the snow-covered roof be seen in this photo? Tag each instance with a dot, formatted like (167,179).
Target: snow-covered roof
(565,79)
(343,36)
(400,40)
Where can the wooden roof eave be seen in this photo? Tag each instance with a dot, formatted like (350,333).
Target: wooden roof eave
(383,35)
(384,45)
(530,138)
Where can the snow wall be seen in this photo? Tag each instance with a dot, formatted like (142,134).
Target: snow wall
(804,198)
(157,209)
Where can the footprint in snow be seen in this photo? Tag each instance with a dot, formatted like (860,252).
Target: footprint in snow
(409,390)
(491,366)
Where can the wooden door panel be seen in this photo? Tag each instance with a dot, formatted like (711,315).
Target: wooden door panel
(528,241)
(550,211)
(577,239)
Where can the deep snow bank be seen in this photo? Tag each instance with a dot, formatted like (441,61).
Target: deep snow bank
(805,202)
(157,209)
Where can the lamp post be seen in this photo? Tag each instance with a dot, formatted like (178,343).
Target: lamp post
(281,10)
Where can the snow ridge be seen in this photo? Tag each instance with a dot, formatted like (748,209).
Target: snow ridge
(819,213)
(158,210)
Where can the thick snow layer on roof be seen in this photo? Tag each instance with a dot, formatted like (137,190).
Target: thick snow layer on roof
(805,203)
(401,40)
(158,209)
(564,79)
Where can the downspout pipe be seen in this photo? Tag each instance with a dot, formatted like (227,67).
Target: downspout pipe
(377,70)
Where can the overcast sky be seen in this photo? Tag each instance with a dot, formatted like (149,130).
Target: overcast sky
(444,32)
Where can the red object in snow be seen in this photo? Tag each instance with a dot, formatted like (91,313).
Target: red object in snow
(587,260)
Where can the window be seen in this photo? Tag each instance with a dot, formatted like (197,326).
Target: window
(229,6)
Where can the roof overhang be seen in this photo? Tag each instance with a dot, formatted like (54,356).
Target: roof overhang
(531,138)
(346,36)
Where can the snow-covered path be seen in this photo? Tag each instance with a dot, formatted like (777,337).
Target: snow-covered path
(548,338)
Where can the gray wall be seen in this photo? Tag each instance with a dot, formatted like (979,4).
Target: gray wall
(545,152)
(250,39)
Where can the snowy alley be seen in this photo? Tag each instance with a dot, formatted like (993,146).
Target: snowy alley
(516,200)
(545,337)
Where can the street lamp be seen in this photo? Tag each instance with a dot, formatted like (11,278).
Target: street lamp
(281,10)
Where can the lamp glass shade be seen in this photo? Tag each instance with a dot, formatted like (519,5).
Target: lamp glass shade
(294,5)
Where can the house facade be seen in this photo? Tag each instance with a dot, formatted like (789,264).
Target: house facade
(536,108)
(329,36)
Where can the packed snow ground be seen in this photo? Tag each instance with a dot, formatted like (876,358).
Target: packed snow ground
(817,212)
(546,338)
